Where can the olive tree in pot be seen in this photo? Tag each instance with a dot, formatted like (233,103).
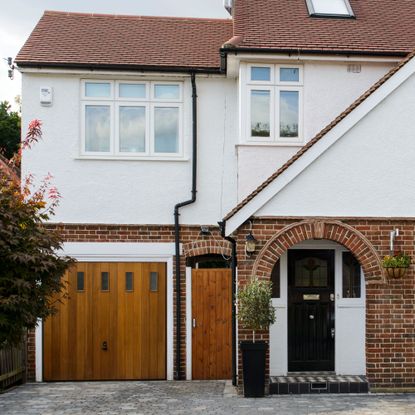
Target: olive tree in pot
(255,312)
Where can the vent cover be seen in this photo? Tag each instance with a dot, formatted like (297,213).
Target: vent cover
(354,68)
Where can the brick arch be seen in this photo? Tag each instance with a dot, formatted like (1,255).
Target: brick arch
(335,231)
(210,246)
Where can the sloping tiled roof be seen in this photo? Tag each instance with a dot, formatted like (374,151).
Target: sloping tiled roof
(380,26)
(319,136)
(98,40)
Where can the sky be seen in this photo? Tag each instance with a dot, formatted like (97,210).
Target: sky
(19,17)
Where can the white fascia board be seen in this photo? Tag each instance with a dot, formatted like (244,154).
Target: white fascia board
(235,58)
(113,73)
(122,251)
(320,147)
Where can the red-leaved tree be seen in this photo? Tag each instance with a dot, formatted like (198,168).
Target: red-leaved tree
(31,268)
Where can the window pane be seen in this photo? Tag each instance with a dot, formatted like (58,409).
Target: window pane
(289,75)
(80,281)
(275,279)
(154,281)
(166,91)
(289,108)
(132,129)
(330,7)
(97,128)
(166,130)
(259,73)
(129,277)
(311,272)
(351,276)
(105,281)
(260,113)
(132,91)
(97,90)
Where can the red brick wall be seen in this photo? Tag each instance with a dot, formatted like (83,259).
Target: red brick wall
(390,305)
(390,315)
(193,244)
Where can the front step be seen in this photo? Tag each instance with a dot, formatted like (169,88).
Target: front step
(305,383)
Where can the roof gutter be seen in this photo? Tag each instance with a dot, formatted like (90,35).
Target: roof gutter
(230,49)
(97,66)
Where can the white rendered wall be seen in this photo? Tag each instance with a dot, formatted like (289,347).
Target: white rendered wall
(134,192)
(367,172)
(328,90)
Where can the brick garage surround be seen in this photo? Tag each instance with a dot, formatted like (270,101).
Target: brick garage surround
(193,245)
(390,305)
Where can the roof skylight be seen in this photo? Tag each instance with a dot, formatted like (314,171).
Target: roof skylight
(333,8)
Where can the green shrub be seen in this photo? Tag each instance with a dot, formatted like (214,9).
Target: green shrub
(255,311)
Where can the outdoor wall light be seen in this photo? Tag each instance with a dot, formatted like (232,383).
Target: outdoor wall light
(250,244)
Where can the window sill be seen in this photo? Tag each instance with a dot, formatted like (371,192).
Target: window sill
(271,144)
(131,158)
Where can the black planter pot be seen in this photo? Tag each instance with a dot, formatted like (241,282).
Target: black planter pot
(253,365)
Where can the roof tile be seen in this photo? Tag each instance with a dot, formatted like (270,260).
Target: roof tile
(62,38)
(380,26)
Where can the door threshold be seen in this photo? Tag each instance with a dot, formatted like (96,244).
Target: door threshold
(312,373)
(317,382)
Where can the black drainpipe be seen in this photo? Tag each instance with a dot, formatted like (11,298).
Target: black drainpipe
(234,263)
(177,226)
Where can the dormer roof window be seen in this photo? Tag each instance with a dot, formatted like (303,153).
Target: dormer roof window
(330,8)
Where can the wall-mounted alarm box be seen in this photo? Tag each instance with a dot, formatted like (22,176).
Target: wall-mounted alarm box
(46,95)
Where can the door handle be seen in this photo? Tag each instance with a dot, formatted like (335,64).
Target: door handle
(311,317)
(194,323)
(333,331)
(104,346)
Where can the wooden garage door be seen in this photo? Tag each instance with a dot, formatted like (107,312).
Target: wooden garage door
(111,326)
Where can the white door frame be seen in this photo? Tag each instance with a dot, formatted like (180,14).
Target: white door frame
(279,331)
(120,252)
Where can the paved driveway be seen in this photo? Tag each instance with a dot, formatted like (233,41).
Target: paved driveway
(186,398)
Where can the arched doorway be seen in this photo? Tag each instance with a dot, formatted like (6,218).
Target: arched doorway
(320,307)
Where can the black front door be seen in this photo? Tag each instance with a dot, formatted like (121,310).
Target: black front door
(310,310)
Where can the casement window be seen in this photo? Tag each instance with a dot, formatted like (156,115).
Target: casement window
(330,8)
(273,105)
(132,119)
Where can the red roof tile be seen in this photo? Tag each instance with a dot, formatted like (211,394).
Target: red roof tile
(380,26)
(131,41)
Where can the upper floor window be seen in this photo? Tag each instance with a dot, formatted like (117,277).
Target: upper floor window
(126,118)
(273,104)
(327,8)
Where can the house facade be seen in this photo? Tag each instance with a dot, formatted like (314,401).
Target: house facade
(172,140)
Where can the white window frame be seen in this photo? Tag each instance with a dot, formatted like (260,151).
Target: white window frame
(117,89)
(259,87)
(348,15)
(115,102)
(165,104)
(102,103)
(274,86)
(130,103)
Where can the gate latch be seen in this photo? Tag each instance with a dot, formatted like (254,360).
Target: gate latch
(333,331)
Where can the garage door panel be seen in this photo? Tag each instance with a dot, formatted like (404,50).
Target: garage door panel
(128,321)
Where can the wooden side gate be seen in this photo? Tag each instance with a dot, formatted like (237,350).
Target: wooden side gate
(212,323)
